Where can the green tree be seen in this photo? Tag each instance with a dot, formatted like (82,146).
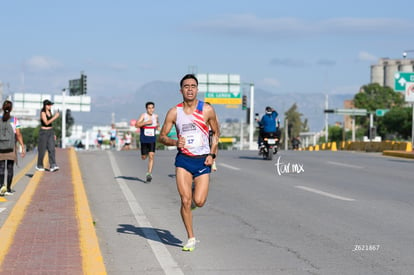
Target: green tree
(335,133)
(398,122)
(57,126)
(295,125)
(372,97)
(30,137)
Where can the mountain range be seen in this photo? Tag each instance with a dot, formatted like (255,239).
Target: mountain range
(125,107)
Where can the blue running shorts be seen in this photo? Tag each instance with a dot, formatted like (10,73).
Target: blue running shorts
(194,165)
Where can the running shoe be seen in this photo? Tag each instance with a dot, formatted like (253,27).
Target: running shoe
(190,245)
(149,177)
(3,190)
(8,194)
(54,168)
(40,168)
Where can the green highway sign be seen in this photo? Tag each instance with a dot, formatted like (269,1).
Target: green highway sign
(351,112)
(222,95)
(400,79)
(223,98)
(381,112)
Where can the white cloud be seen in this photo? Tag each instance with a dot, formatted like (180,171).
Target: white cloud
(41,63)
(365,56)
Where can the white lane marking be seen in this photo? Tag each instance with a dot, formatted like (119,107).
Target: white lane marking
(2,209)
(324,193)
(345,165)
(228,166)
(164,257)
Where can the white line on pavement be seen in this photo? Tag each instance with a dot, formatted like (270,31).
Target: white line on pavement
(324,193)
(345,165)
(228,166)
(164,257)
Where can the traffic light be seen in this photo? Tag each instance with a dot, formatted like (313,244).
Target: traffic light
(83,84)
(244,102)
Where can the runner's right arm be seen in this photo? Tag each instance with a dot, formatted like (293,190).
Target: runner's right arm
(166,128)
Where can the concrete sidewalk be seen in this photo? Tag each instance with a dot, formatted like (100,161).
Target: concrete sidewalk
(50,228)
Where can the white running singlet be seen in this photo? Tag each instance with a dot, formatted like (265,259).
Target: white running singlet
(194,129)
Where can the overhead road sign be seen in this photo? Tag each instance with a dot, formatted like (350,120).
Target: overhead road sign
(223,98)
(34,102)
(29,101)
(218,83)
(401,79)
(349,112)
(81,103)
(220,88)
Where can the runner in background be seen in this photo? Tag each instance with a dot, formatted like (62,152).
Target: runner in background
(148,124)
(112,136)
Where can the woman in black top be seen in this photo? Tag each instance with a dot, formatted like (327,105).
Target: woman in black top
(47,137)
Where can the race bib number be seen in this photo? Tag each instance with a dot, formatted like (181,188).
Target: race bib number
(149,132)
(192,141)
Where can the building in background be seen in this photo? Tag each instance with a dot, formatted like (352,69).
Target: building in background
(383,72)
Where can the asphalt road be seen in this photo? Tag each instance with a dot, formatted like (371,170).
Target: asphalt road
(301,213)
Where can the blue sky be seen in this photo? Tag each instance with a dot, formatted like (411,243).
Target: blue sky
(280,46)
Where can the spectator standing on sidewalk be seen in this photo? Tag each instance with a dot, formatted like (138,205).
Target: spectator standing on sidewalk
(148,124)
(9,133)
(47,137)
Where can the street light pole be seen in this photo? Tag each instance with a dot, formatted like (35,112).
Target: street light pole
(63,114)
(251,126)
(412,104)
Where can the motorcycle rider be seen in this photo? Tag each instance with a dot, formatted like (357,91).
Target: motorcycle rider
(267,124)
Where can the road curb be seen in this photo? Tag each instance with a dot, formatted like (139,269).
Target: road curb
(92,260)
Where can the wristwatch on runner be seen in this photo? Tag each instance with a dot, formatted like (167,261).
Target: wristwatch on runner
(212,155)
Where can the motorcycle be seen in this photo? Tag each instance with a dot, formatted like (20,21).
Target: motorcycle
(269,146)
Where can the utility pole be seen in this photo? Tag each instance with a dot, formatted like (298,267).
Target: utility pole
(326,118)
(63,114)
(412,104)
(286,134)
(251,125)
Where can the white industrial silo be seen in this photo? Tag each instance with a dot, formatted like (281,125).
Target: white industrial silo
(391,68)
(406,65)
(377,74)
